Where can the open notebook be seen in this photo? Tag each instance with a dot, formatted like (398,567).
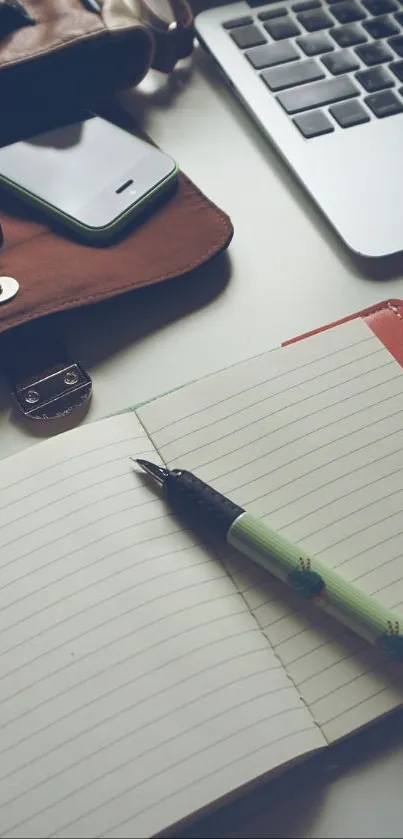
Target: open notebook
(143,676)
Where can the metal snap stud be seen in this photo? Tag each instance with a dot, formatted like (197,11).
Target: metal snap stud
(31,397)
(70,377)
(8,289)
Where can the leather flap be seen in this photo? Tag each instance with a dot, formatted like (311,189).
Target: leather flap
(56,273)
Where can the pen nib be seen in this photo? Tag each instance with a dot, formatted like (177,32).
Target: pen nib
(157,472)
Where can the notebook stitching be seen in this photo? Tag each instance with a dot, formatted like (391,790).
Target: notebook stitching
(224,557)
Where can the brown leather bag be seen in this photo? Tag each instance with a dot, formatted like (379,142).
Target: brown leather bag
(63,51)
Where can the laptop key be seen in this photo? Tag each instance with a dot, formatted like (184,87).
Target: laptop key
(314,124)
(247,36)
(397,45)
(255,3)
(376,79)
(397,69)
(270,55)
(341,62)
(272,13)
(303,7)
(317,94)
(348,11)
(315,20)
(384,104)
(380,7)
(375,53)
(315,44)
(349,36)
(381,27)
(282,28)
(291,75)
(237,21)
(348,114)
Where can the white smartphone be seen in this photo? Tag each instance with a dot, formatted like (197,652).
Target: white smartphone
(91,175)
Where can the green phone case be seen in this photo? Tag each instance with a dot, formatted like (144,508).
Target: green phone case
(92,234)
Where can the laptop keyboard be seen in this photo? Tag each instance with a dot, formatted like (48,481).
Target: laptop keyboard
(331,64)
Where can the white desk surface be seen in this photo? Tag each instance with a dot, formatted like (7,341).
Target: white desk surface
(286,273)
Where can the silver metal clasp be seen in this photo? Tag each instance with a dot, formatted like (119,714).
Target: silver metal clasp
(59,392)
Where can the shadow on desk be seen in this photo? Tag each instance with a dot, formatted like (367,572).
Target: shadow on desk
(130,318)
(289,805)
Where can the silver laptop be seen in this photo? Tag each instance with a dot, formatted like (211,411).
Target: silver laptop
(324,80)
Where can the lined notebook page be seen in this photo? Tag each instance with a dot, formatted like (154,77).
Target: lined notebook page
(310,438)
(136,686)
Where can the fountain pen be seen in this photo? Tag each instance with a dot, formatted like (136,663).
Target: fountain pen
(203,508)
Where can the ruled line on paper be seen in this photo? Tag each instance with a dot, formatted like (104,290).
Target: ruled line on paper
(73,573)
(42,517)
(161,542)
(354,512)
(371,666)
(266,358)
(79,636)
(210,776)
(287,484)
(354,705)
(118,626)
(76,530)
(343,634)
(155,774)
(113,495)
(89,543)
(203,625)
(55,724)
(63,461)
(66,496)
(275,414)
(103,601)
(351,519)
(267,397)
(388,538)
(159,718)
(203,464)
(339,542)
(332,460)
(94,543)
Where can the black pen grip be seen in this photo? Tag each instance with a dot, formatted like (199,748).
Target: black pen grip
(200,506)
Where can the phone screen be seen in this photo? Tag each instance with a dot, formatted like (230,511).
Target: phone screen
(90,170)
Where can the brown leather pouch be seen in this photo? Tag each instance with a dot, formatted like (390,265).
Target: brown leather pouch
(71,49)
(63,50)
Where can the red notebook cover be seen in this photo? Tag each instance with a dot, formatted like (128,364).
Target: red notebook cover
(385,319)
